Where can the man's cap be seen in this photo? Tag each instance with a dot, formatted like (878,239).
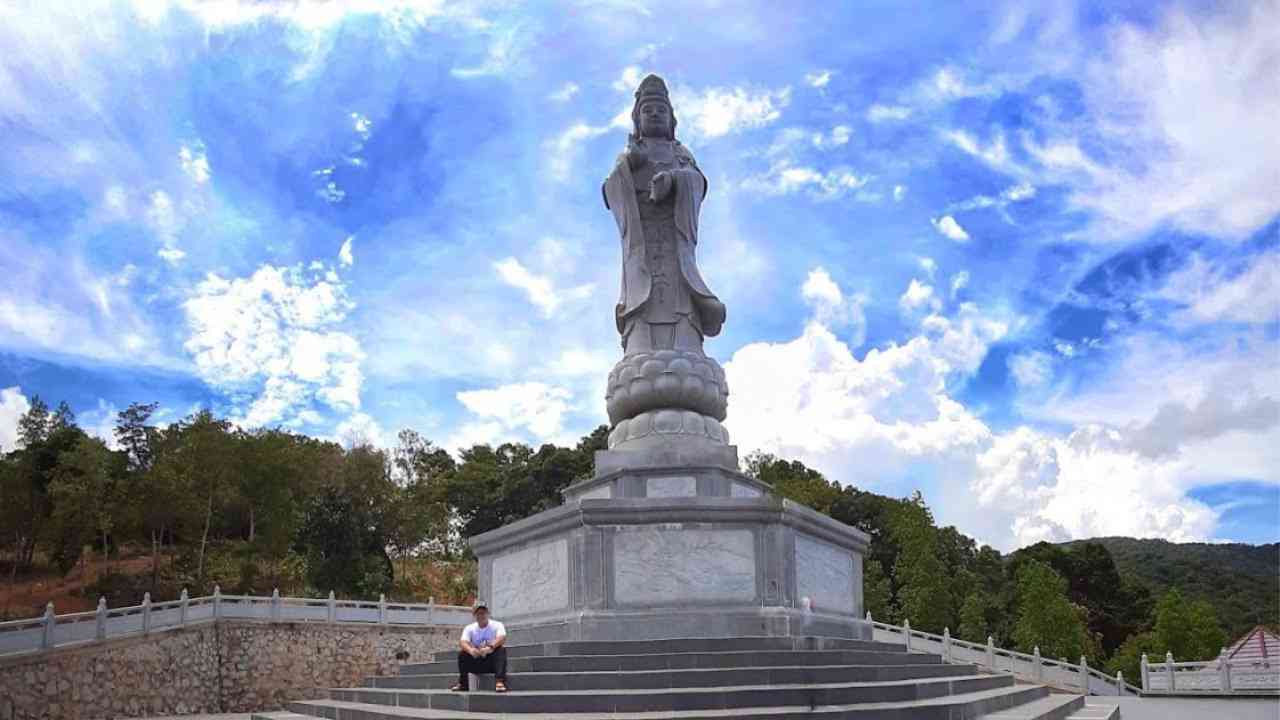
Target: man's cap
(478,605)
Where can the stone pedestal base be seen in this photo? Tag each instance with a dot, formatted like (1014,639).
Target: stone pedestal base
(673,542)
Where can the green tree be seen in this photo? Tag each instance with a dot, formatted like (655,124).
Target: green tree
(973,618)
(1045,616)
(1190,630)
(878,592)
(924,596)
(794,481)
(87,491)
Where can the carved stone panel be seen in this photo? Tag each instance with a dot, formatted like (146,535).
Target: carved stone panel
(599,492)
(743,490)
(675,486)
(825,575)
(531,580)
(670,565)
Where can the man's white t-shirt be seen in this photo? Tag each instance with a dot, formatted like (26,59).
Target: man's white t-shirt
(483,636)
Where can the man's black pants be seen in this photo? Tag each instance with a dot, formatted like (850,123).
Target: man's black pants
(495,663)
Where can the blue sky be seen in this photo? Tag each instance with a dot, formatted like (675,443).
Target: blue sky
(1025,260)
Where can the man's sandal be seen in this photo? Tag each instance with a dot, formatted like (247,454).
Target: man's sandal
(499,686)
(459,687)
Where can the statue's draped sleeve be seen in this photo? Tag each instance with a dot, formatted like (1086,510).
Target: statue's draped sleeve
(620,197)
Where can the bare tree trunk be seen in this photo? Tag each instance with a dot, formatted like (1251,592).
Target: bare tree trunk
(106,555)
(251,524)
(204,539)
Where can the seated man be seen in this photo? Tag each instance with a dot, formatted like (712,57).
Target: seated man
(482,650)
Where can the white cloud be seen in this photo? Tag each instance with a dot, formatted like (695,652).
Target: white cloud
(959,281)
(830,306)
(345,254)
(885,113)
(917,295)
(783,178)
(1031,369)
(818,79)
(501,57)
(718,111)
(1251,296)
(1086,484)
(271,339)
(534,408)
(540,289)
(629,80)
(173,256)
(840,135)
(563,149)
(1015,193)
(566,93)
(948,227)
(950,83)
(13,405)
(929,265)
(899,192)
(361,429)
(195,163)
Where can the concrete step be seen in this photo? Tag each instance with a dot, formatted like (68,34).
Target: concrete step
(1099,711)
(666,699)
(688,645)
(949,707)
(692,677)
(680,661)
(1052,707)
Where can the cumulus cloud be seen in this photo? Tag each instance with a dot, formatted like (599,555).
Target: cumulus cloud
(564,148)
(917,295)
(346,256)
(1031,369)
(818,79)
(899,192)
(784,178)
(272,338)
(718,111)
(532,408)
(886,113)
(13,405)
(959,281)
(540,289)
(831,308)
(566,92)
(949,228)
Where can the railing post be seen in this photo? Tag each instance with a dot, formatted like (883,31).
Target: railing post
(333,608)
(946,644)
(1168,667)
(217,602)
(431,610)
(869,620)
(1119,683)
(1224,671)
(1084,674)
(1038,674)
(382,609)
(275,605)
(101,631)
(991,652)
(185,599)
(906,632)
(1146,673)
(50,623)
(146,613)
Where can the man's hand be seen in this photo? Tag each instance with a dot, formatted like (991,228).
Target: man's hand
(660,186)
(474,652)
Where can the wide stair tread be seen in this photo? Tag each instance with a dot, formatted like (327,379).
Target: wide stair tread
(969,704)
(686,677)
(1053,707)
(686,645)
(1096,712)
(686,660)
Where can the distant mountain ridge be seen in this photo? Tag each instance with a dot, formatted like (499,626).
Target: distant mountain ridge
(1241,581)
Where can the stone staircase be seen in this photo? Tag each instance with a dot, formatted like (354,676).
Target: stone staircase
(750,678)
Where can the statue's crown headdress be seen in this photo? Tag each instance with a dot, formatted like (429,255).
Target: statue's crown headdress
(652,88)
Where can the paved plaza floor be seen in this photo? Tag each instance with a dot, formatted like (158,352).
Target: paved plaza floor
(1194,708)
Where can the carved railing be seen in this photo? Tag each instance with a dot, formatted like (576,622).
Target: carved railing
(1220,676)
(1074,677)
(54,631)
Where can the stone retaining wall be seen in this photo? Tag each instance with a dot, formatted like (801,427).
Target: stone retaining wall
(231,666)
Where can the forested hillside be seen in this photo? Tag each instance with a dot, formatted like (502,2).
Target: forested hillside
(1240,581)
(208,503)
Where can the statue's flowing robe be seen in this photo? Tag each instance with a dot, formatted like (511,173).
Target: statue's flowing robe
(689,187)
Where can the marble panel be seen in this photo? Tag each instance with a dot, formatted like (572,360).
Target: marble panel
(670,565)
(531,580)
(675,486)
(599,492)
(743,490)
(825,575)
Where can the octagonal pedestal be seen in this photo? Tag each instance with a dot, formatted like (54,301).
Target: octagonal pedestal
(673,542)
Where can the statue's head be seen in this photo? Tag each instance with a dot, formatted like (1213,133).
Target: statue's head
(652,115)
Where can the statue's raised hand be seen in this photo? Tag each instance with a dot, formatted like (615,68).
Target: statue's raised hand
(660,186)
